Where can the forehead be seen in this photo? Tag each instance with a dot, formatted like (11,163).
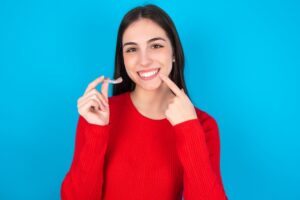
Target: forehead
(143,30)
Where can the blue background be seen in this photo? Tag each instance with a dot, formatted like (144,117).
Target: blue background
(243,60)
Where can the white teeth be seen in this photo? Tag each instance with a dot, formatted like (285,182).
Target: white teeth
(148,74)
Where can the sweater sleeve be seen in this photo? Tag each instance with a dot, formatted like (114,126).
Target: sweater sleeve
(84,179)
(198,147)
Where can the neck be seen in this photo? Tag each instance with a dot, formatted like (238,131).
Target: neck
(151,102)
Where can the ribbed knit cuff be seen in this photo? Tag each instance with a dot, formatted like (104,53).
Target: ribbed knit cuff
(186,130)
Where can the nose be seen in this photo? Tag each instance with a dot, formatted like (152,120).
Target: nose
(145,59)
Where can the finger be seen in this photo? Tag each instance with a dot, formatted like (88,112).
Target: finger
(101,96)
(104,89)
(96,97)
(93,84)
(171,84)
(88,105)
(83,104)
(90,93)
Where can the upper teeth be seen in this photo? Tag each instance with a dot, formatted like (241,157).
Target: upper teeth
(148,74)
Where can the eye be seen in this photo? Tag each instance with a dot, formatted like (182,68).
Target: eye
(130,50)
(157,46)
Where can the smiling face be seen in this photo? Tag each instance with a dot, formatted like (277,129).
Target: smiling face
(147,51)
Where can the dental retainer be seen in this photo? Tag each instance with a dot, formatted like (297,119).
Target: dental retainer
(116,81)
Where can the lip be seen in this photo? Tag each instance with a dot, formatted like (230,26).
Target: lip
(148,70)
(150,77)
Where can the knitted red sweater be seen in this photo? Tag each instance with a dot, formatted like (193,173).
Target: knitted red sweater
(138,158)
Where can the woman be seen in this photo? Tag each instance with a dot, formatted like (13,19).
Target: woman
(147,141)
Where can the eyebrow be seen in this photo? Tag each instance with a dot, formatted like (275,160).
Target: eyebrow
(151,40)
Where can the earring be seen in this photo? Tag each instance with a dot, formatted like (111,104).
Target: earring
(173,59)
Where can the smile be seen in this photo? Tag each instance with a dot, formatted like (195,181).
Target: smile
(149,74)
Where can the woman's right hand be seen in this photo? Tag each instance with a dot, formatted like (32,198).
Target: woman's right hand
(93,105)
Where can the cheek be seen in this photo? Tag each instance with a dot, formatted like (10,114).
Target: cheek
(166,61)
(166,56)
(129,62)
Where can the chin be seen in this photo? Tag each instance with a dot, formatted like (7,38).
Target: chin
(150,86)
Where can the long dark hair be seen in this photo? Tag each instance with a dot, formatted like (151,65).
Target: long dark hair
(160,17)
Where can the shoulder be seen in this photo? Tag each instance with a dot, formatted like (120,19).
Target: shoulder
(117,103)
(116,99)
(211,130)
(207,121)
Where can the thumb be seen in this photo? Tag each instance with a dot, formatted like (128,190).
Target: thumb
(104,89)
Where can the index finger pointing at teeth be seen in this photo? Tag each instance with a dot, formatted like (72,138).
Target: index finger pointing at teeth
(171,84)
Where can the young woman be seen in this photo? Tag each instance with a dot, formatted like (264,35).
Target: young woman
(147,141)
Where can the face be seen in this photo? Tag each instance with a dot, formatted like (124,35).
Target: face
(147,51)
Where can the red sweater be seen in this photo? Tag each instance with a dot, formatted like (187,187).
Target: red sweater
(138,158)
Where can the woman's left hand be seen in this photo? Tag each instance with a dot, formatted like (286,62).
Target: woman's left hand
(180,108)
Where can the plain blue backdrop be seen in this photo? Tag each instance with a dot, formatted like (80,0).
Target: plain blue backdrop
(242,67)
